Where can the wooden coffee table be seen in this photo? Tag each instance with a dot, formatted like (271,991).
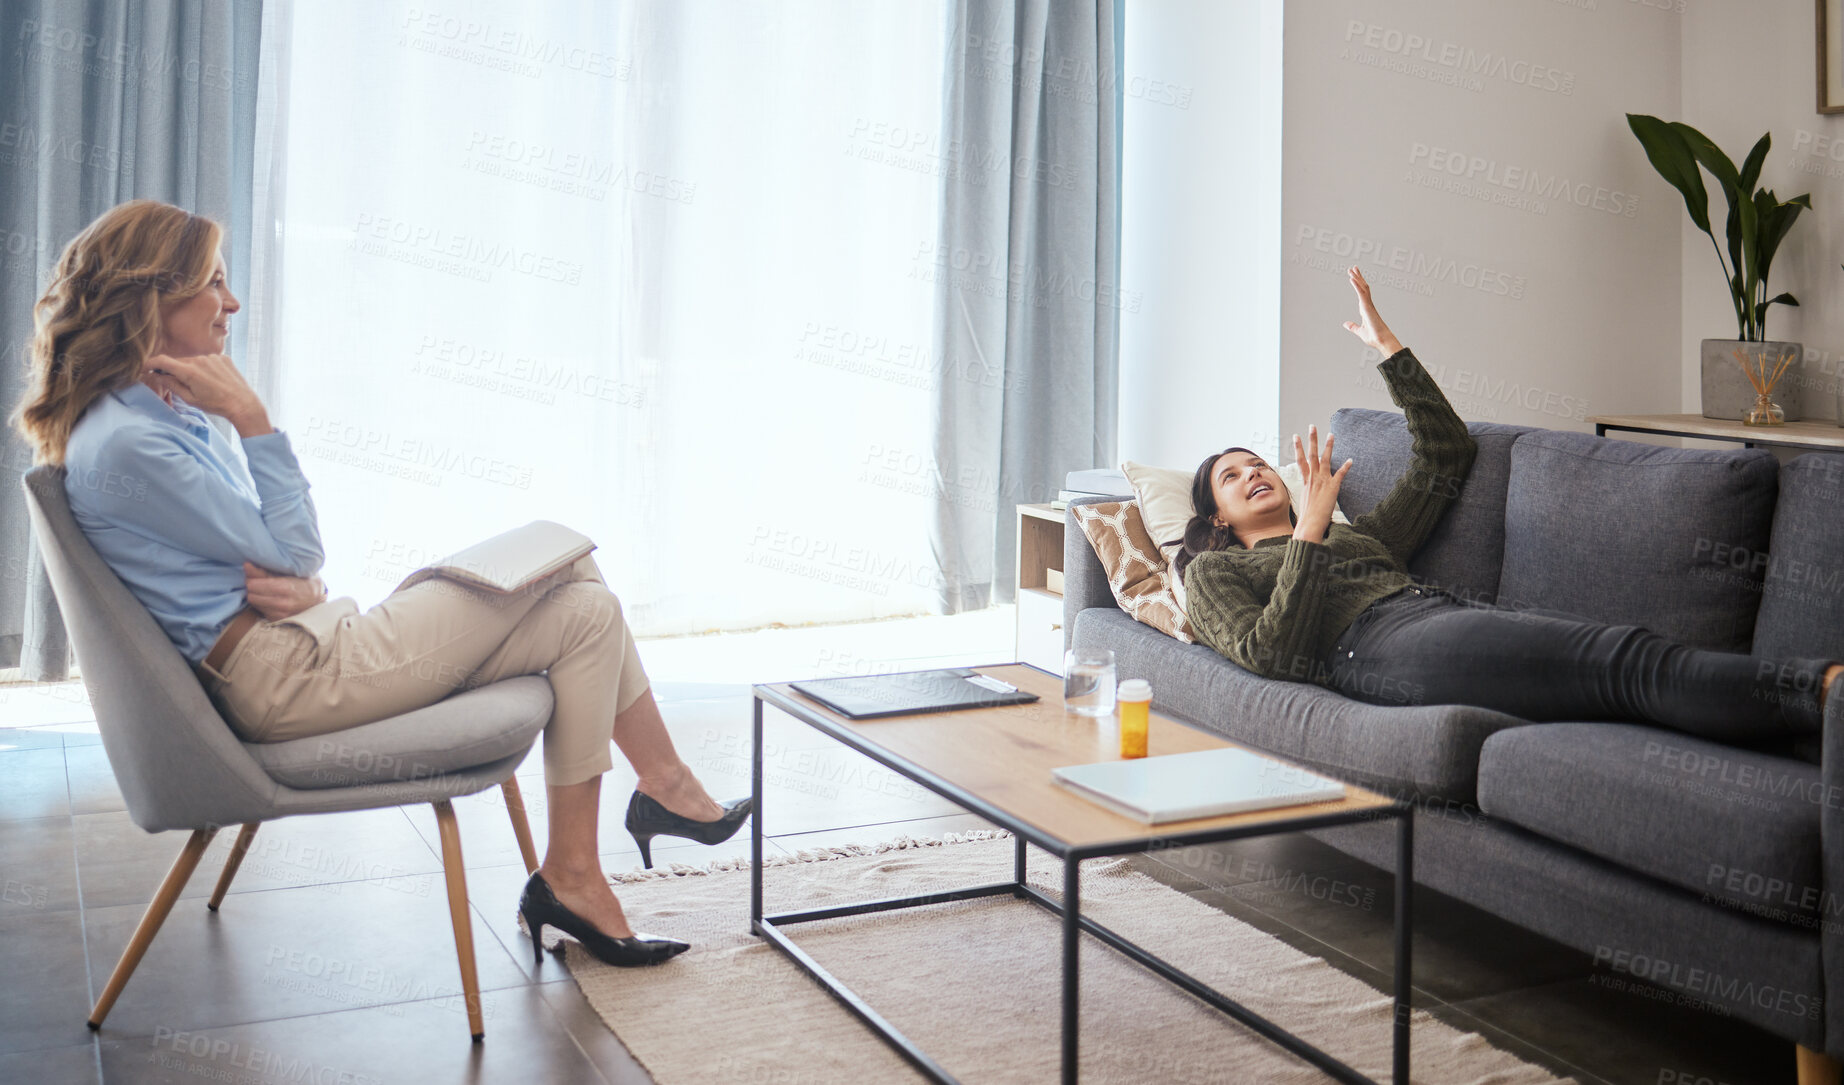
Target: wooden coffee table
(996,762)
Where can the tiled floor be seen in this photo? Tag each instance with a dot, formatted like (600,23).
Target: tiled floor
(333,957)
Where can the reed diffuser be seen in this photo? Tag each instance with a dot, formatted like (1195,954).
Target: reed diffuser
(1765,411)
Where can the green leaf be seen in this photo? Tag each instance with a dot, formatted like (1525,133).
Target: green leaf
(1760,311)
(1776,220)
(1751,169)
(1669,154)
(1741,222)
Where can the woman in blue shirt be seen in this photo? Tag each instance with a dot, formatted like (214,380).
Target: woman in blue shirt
(221,543)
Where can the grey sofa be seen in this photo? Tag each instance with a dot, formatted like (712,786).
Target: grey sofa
(1713,871)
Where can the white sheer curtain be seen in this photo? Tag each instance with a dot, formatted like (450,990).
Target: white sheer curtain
(650,270)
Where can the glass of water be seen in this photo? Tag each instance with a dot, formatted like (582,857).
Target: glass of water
(1088,681)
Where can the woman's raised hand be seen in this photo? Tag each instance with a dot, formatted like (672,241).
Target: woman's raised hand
(1369,326)
(212,383)
(1321,484)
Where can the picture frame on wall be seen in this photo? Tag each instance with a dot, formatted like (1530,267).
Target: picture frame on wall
(1831,56)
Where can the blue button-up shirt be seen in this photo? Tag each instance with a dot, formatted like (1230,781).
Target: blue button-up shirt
(175,511)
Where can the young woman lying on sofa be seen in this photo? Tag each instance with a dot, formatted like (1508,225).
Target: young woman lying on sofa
(1333,604)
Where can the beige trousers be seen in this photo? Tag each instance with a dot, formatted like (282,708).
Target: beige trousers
(330,667)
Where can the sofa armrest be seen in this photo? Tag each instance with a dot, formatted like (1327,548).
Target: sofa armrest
(1831,872)
(1085,582)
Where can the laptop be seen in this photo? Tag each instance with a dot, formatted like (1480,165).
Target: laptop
(909,693)
(1200,784)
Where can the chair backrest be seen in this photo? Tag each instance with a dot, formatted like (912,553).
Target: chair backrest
(178,763)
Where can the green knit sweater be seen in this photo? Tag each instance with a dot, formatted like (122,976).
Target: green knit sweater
(1278,608)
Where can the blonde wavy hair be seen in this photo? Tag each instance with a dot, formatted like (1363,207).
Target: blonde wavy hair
(99,320)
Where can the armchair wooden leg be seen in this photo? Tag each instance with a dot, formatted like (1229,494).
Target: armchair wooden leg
(235,860)
(458,912)
(1817,1068)
(515,806)
(157,910)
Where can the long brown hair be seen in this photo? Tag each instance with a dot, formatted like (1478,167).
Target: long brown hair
(99,320)
(1202,532)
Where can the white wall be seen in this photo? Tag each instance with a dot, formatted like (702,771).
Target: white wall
(1527,306)
(1448,148)
(1200,228)
(1751,69)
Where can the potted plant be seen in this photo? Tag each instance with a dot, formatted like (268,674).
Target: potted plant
(1758,221)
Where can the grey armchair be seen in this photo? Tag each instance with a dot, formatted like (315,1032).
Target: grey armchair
(180,766)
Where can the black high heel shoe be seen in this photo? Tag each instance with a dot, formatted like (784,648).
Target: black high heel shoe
(540,906)
(647,819)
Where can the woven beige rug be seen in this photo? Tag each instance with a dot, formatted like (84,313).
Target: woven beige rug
(977,983)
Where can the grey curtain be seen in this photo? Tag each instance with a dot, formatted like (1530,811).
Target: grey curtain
(1026,275)
(103,101)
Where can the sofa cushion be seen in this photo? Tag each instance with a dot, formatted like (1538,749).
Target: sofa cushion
(1138,573)
(1738,826)
(1635,534)
(468,729)
(1415,752)
(1465,551)
(1803,611)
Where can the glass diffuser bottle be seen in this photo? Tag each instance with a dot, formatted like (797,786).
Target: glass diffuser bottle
(1763,376)
(1765,412)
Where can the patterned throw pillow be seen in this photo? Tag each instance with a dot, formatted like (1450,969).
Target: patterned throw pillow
(1136,570)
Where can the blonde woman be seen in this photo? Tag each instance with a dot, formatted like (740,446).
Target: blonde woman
(222,545)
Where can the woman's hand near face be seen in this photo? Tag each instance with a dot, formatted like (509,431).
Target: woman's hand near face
(1369,326)
(212,383)
(1321,484)
(276,597)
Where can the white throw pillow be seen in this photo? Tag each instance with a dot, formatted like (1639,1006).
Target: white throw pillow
(1164,494)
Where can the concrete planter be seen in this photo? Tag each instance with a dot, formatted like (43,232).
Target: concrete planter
(1727,393)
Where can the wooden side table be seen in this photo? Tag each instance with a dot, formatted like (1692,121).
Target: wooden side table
(1040,587)
(1822,436)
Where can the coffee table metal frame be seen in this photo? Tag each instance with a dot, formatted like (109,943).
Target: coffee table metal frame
(1068,909)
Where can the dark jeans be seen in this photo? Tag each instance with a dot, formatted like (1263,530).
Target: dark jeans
(1424,645)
